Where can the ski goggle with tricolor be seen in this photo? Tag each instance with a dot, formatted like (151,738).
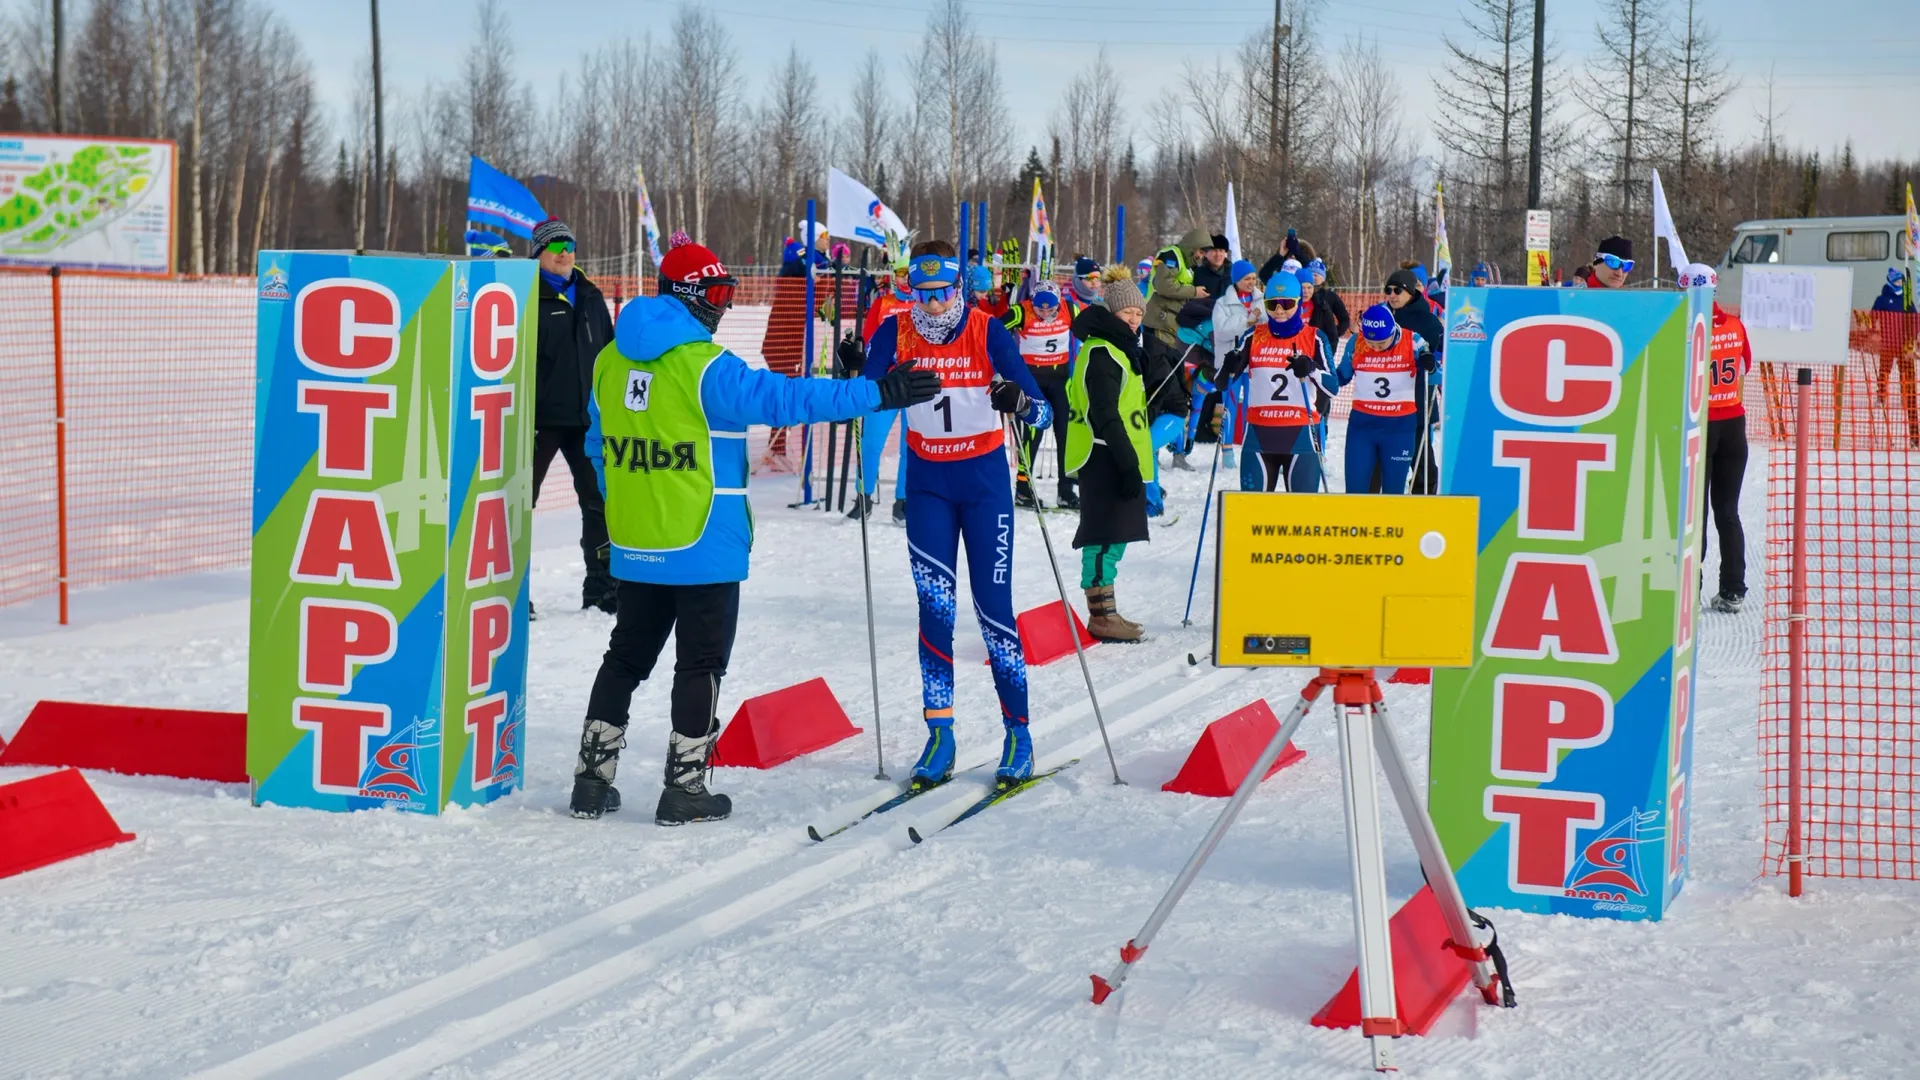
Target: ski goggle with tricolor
(717,291)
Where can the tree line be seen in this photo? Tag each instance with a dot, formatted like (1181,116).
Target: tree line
(1315,134)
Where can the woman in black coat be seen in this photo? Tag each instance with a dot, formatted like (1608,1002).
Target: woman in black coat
(1113,503)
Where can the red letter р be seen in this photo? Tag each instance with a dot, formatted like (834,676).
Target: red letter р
(1535,717)
(339,636)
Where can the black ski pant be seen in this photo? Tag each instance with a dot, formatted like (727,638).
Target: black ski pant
(1726,467)
(571,443)
(1052,381)
(702,619)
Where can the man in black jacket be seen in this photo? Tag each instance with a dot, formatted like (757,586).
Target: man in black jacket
(574,327)
(1211,272)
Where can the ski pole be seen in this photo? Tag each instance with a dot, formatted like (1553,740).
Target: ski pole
(1073,632)
(1205,509)
(1136,947)
(857,431)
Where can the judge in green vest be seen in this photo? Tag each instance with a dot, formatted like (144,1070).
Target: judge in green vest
(1109,447)
(668,439)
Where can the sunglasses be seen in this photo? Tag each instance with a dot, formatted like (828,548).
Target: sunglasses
(560,247)
(1393,290)
(935,294)
(1615,262)
(1282,305)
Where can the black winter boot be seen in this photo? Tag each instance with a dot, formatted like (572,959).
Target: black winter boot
(593,790)
(685,797)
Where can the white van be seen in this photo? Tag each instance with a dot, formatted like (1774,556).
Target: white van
(1871,245)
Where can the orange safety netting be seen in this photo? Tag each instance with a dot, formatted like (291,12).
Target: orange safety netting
(1860,746)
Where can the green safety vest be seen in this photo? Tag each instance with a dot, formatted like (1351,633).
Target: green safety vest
(1133,408)
(1184,273)
(656,445)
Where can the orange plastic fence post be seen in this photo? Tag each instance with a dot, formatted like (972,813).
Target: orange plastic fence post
(60,438)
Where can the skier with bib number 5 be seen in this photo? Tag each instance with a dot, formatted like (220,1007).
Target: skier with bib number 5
(667,437)
(1383,361)
(958,489)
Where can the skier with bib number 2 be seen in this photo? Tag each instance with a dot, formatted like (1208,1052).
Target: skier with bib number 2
(1286,362)
(958,489)
(667,436)
(1383,361)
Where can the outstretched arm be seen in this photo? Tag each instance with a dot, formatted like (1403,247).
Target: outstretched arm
(734,392)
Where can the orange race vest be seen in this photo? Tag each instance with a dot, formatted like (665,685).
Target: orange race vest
(1727,369)
(1045,344)
(960,423)
(1274,397)
(883,307)
(1383,382)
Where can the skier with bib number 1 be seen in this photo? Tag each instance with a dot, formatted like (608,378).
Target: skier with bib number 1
(1384,361)
(959,489)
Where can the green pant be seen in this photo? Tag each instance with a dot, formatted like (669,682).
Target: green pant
(1099,564)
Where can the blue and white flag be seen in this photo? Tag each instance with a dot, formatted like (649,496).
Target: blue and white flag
(854,212)
(495,198)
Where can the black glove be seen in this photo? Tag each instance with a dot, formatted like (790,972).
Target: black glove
(1233,365)
(907,385)
(850,355)
(1126,485)
(1427,363)
(1302,366)
(1009,398)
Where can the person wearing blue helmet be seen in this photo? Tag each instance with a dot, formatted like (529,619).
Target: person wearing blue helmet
(958,488)
(1481,274)
(983,292)
(1287,365)
(1383,362)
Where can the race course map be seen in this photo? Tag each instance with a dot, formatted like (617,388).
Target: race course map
(86,203)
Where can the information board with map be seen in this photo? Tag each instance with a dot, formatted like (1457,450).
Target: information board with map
(87,203)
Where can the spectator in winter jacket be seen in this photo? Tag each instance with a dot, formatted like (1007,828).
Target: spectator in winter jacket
(1086,281)
(1412,312)
(1173,286)
(1211,273)
(1325,309)
(1893,295)
(793,253)
(1610,267)
(1109,449)
(574,326)
(1292,248)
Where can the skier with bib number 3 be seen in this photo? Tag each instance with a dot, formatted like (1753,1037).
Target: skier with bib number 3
(958,489)
(1383,360)
(667,436)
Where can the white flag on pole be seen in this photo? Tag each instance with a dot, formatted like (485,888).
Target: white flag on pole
(854,212)
(1663,227)
(1233,225)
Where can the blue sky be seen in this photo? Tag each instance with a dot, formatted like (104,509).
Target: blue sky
(1854,71)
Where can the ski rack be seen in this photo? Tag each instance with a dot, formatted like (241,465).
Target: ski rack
(1361,715)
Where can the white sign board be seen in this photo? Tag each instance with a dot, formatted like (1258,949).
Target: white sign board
(87,203)
(1539,229)
(1797,315)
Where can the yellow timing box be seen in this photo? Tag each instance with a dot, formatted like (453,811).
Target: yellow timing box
(1345,580)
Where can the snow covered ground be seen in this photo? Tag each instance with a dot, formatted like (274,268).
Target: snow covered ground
(515,941)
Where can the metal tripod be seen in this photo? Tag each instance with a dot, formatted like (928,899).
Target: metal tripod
(1364,732)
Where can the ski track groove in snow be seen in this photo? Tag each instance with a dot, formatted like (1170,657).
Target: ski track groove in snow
(224,929)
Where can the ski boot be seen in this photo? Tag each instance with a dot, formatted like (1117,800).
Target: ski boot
(1023,494)
(1229,460)
(1016,758)
(1727,603)
(685,797)
(1069,498)
(532,615)
(1103,618)
(593,790)
(899,511)
(935,766)
(1156,502)
(1180,462)
(862,508)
